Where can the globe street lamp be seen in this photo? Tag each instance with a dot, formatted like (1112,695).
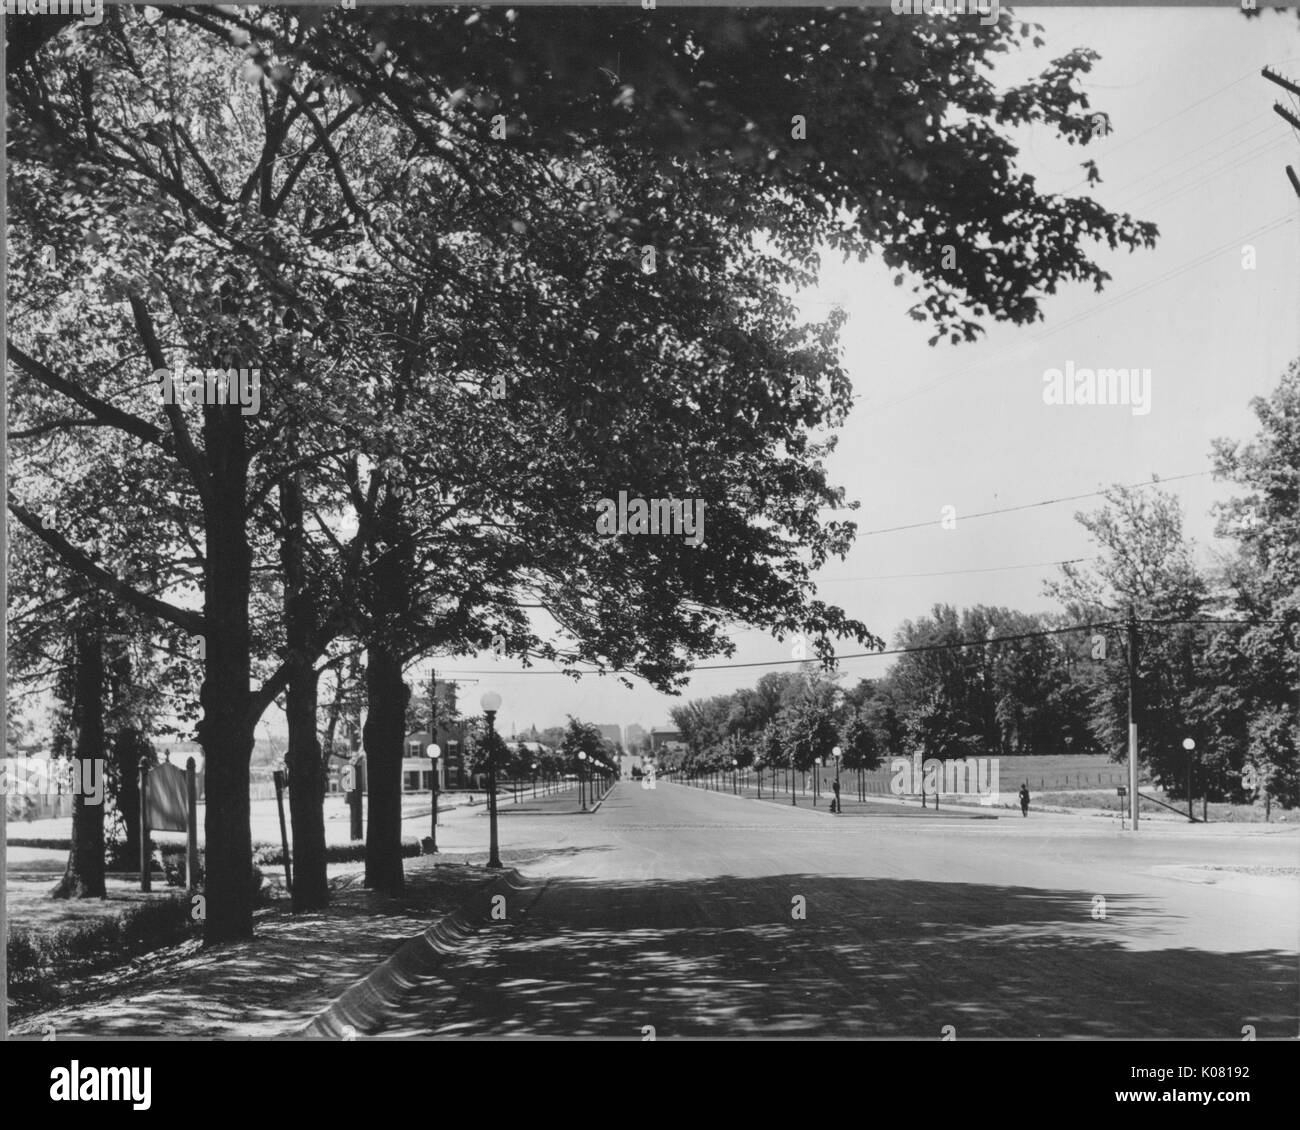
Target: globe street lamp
(534,780)
(1189,745)
(817,778)
(491,703)
(582,780)
(434,753)
(837,753)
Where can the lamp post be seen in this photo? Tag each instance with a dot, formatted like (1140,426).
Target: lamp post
(792,796)
(817,778)
(534,780)
(582,780)
(491,703)
(434,753)
(735,787)
(1190,745)
(837,753)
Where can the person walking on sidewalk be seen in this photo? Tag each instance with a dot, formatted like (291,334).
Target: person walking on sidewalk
(1024,799)
(835,804)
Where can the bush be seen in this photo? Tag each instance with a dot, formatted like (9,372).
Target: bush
(173,864)
(271,855)
(117,858)
(83,947)
(23,955)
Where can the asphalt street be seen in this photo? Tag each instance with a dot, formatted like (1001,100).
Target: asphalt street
(679,912)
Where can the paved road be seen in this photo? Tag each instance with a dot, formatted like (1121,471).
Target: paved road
(679,909)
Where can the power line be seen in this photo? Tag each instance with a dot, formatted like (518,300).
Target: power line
(1164,121)
(1236,164)
(951,645)
(953,572)
(1092,311)
(1235,130)
(1033,505)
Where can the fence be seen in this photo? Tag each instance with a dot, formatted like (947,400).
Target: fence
(39,806)
(879,782)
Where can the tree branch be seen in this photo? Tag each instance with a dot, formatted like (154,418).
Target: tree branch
(183,618)
(100,409)
(189,455)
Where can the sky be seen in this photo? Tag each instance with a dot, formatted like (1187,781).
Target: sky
(1195,148)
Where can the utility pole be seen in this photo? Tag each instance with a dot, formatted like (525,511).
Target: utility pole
(1132,717)
(1286,115)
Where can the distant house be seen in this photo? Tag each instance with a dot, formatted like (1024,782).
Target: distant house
(417,767)
(666,741)
(531,748)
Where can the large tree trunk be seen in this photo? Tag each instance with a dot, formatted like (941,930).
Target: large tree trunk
(128,747)
(226,729)
(84,877)
(306,769)
(306,793)
(384,730)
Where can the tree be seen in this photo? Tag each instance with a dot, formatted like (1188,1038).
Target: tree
(859,742)
(808,724)
(935,730)
(1251,714)
(1147,567)
(272,232)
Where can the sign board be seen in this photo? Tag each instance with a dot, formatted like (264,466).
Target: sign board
(167,803)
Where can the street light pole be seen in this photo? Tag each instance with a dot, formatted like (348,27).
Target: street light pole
(582,780)
(817,776)
(491,703)
(837,753)
(1132,632)
(434,753)
(1190,745)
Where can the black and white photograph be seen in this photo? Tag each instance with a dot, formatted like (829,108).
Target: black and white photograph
(647,522)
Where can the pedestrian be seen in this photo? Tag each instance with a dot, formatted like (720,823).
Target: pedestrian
(835,804)
(1024,799)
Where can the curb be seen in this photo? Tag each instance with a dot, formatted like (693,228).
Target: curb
(362,1008)
(821,810)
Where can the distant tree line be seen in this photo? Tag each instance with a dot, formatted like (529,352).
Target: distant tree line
(1215,653)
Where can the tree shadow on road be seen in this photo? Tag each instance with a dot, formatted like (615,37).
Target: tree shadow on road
(871,958)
